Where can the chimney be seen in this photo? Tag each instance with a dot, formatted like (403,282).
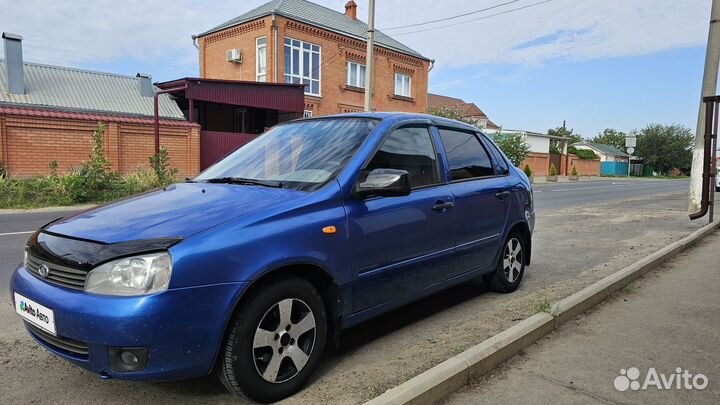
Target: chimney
(14,63)
(145,85)
(351,10)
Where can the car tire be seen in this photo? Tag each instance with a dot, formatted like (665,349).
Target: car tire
(277,328)
(510,268)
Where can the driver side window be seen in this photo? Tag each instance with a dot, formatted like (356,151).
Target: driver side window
(411,149)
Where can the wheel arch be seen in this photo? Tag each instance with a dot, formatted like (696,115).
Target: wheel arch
(524,230)
(319,277)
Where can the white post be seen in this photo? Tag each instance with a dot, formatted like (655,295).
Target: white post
(370,66)
(709,86)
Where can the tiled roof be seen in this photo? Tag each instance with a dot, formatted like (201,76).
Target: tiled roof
(319,16)
(70,89)
(470,110)
(606,149)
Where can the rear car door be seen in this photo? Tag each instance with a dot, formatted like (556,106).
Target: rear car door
(482,199)
(401,245)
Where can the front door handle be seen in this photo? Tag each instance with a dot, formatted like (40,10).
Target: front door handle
(442,206)
(502,194)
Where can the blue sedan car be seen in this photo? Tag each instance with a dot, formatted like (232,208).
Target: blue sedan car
(250,269)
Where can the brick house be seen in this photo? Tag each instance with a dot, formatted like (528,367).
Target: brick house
(297,41)
(471,112)
(48,113)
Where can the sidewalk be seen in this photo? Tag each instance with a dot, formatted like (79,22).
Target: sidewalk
(666,320)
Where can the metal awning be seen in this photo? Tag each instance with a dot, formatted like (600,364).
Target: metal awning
(273,96)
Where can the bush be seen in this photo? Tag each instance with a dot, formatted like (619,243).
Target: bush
(553,170)
(574,171)
(160,163)
(514,146)
(93,181)
(528,171)
(585,154)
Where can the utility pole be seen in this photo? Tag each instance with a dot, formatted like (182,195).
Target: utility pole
(370,65)
(709,87)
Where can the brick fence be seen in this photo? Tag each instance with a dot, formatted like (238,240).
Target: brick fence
(31,139)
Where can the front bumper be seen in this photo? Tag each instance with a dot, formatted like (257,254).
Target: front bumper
(180,328)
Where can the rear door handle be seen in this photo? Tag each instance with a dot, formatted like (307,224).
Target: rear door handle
(502,195)
(442,206)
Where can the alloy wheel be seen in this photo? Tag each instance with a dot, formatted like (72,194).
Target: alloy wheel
(284,340)
(512,260)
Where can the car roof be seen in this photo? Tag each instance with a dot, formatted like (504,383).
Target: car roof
(404,116)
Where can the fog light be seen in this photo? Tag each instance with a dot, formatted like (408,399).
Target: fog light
(129,358)
(126,359)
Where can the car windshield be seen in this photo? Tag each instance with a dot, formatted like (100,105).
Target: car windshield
(303,155)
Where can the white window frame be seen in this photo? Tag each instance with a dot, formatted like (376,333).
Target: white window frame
(357,67)
(291,78)
(307,113)
(260,76)
(405,86)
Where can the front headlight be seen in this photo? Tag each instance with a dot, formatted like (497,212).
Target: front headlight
(136,275)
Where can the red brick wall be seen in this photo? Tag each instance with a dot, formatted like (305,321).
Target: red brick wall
(29,143)
(336,50)
(584,167)
(539,163)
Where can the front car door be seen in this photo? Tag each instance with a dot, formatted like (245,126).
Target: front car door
(401,245)
(482,199)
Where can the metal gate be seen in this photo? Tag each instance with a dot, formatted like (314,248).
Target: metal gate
(216,145)
(557,161)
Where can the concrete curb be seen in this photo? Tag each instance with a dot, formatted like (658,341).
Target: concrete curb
(456,372)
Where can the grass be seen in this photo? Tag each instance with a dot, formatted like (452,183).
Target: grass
(542,305)
(73,188)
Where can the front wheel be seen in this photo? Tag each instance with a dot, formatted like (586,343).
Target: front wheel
(275,341)
(510,267)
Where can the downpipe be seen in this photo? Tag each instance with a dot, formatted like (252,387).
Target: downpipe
(711,112)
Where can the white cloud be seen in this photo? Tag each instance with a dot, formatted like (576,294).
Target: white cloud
(104,32)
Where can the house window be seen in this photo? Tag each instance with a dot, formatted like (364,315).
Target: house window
(261,58)
(307,114)
(402,85)
(355,75)
(302,65)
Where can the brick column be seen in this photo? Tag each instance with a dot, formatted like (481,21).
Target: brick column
(112,145)
(3,143)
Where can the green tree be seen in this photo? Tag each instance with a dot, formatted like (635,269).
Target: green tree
(451,112)
(556,145)
(611,137)
(666,147)
(514,145)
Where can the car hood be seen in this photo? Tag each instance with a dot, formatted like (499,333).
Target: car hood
(178,211)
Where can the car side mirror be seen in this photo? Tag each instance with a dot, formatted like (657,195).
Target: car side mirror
(382,183)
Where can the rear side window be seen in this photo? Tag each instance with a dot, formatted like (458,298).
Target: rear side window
(499,159)
(466,155)
(411,149)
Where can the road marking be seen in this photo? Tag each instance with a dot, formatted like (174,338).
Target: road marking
(16,233)
(596,188)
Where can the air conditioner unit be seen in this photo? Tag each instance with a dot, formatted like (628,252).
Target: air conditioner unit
(234,56)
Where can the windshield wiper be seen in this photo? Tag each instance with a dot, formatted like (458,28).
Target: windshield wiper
(241,180)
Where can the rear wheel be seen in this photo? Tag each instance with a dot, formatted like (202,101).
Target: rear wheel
(275,341)
(510,267)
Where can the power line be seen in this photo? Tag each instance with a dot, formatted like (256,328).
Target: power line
(453,17)
(474,19)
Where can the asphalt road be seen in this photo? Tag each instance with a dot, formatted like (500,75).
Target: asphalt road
(15,228)
(550,196)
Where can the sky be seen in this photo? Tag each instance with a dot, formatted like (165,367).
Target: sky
(594,63)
